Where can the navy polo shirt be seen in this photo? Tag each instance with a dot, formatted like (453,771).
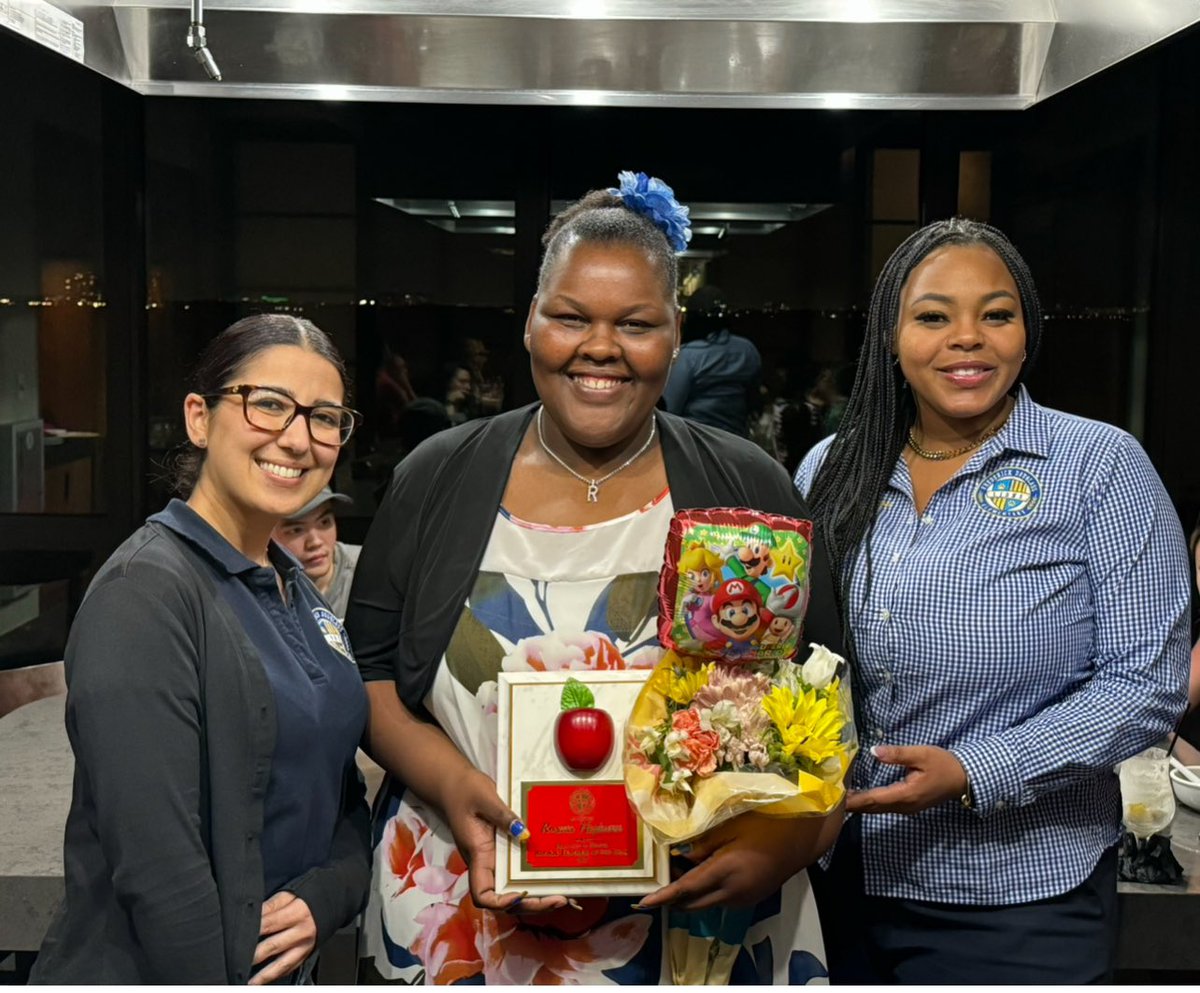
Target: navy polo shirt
(320,703)
(713,379)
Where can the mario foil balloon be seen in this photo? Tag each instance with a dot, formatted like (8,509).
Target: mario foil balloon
(741,713)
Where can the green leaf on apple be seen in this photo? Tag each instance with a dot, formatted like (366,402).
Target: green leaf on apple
(576,696)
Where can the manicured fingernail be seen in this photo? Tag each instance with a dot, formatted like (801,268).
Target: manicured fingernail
(875,750)
(519,831)
(637,906)
(681,849)
(574,904)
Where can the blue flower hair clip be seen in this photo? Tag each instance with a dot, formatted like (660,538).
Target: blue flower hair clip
(654,199)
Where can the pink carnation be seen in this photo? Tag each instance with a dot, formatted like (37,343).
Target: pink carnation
(733,684)
(733,698)
(701,745)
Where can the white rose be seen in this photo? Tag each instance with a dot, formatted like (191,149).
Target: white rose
(818,671)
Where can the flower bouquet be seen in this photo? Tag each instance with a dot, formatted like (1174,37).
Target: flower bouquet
(729,722)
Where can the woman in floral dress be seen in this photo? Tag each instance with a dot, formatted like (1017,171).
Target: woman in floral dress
(532,541)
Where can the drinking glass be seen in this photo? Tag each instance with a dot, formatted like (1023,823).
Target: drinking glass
(1147,800)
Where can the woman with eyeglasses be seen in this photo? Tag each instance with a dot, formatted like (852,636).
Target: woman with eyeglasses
(218,831)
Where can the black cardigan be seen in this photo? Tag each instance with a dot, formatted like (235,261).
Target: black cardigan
(164,876)
(422,553)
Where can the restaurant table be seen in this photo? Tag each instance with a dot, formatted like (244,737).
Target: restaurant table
(1158,924)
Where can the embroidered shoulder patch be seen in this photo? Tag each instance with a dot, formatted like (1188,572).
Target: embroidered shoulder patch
(1009,492)
(332,631)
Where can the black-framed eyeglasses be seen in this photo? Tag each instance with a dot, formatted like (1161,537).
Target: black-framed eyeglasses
(272,410)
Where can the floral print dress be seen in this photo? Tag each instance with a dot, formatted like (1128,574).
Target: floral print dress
(545,599)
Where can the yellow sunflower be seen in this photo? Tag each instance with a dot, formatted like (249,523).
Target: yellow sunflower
(810,723)
(686,684)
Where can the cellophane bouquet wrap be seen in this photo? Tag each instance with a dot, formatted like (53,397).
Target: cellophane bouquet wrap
(733,718)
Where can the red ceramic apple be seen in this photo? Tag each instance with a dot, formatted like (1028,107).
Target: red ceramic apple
(583,734)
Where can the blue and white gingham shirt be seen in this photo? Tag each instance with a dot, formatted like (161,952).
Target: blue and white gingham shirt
(1033,620)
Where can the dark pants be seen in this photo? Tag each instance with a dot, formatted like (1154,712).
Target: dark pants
(870,940)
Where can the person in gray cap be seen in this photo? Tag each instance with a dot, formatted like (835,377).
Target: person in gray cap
(311,536)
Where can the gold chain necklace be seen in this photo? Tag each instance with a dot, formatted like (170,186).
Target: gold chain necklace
(954,453)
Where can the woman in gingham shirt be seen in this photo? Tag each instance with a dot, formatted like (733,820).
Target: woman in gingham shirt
(1014,581)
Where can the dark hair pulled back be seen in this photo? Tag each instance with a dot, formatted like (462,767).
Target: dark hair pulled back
(847,489)
(600,217)
(225,356)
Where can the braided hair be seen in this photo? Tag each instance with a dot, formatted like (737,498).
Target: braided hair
(601,217)
(847,489)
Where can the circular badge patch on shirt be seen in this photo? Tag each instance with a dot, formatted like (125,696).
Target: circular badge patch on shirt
(332,631)
(1009,492)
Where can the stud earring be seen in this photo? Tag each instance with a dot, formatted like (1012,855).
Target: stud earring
(202,443)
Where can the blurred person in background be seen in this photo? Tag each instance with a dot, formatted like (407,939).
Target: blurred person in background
(716,377)
(815,415)
(487,390)
(423,418)
(460,394)
(393,392)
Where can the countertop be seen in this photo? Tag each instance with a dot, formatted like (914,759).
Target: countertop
(36,769)
(1159,924)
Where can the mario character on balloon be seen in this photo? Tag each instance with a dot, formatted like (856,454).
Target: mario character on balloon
(738,617)
(752,560)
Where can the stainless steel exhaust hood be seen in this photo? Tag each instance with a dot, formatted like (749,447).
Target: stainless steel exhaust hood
(833,54)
